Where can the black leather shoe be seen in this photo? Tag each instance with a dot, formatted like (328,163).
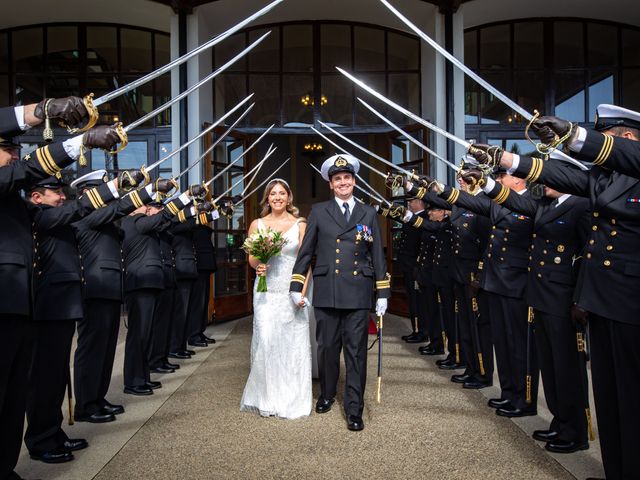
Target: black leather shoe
(545,435)
(563,446)
(178,355)
(198,343)
(475,384)
(162,369)
(73,444)
(515,412)
(354,423)
(175,366)
(498,403)
(153,385)
(417,338)
(451,365)
(204,338)
(138,390)
(111,408)
(404,337)
(99,417)
(189,352)
(461,378)
(58,455)
(429,350)
(323,406)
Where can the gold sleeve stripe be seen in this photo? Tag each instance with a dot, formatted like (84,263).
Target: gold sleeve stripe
(418,222)
(421,192)
(503,195)
(50,169)
(536,170)
(203,218)
(95,198)
(135,198)
(381,284)
(173,208)
(181,216)
(605,151)
(51,160)
(92,199)
(296,277)
(453,196)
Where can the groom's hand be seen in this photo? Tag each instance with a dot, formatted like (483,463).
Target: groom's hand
(381,306)
(298,299)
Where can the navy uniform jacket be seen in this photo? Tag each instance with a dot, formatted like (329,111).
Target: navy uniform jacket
(610,271)
(424,262)
(57,272)
(559,236)
(184,250)
(16,241)
(100,248)
(438,248)
(349,264)
(505,261)
(205,252)
(165,238)
(409,247)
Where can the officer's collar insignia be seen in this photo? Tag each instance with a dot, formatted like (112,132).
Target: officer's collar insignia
(340,162)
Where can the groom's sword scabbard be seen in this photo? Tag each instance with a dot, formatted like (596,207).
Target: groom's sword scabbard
(380,317)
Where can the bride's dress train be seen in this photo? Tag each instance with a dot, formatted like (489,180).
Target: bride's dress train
(280,379)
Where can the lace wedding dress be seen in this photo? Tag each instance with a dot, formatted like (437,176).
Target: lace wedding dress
(280,379)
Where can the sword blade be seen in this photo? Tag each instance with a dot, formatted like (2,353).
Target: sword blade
(375,170)
(408,137)
(193,88)
(254,176)
(367,151)
(180,60)
(209,182)
(373,193)
(263,182)
(244,177)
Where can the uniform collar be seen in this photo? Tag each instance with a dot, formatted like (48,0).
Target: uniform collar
(351,202)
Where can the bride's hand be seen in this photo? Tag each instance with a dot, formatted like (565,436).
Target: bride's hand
(261,269)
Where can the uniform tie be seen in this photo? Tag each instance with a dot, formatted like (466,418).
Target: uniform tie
(555,203)
(347,214)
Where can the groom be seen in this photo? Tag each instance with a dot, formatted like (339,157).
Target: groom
(345,237)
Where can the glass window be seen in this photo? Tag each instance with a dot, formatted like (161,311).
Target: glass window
(29,89)
(530,90)
(335,47)
(601,90)
(4,90)
(27,50)
(495,47)
(162,89)
(137,102)
(102,49)
(369,49)
(630,50)
(528,45)
(602,41)
(569,99)
(294,88)
(404,89)
(162,50)
(62,49)
(267,98)
(62,85)
(134,156)
(297,47)
(229,90)
(569,44)
(492,109)
(404,52)
(471,48)
(135,50)
(471,100)
(363,115)
(338,91)
(231,47)
(631,89)
(266,56)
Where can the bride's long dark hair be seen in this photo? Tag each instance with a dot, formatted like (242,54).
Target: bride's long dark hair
(264,203)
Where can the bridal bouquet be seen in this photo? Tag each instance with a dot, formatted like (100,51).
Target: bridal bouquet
(264,244)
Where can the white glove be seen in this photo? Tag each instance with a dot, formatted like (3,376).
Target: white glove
(296,298)
(381,306)
(407,216)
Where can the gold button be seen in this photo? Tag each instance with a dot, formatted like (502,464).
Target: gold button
(561,248)
(355,272)
(614,233)
(544,251)
(337,271)
(337,260)
(504,249)
(488,255)
(493,227)
(591,242)
(456,252)
(492,236)
(539,275)
(534,235)
(588,255)
(607,263)
(355,263)
(594,227)
(596,214)
(502,259)
(613,221)
(337,250)
(528,269)
(609,247)
(506,230)
(557,260)
(530,257)
(337,240)
(465,225)
(542,264)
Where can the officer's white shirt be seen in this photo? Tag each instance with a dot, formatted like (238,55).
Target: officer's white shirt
(351,201)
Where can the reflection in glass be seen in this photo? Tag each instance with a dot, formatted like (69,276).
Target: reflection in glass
(335,47)
(530,91)
(404,89)
(4,52)
(225,51)
(369,49)
(267,98)
(62,49)
(471,101)
(339,106)
(471,49)
(102,49)
(569,44)
(494,110)
(135,50)
(229,90)
(521,147)
(137,103)
(528,45)
(363,115)
(495,47)
(297,41)
(134,156)
(4,90)
(162,87)
(266,56)
(630,50)
(569,98)
(27,50)
(164,148)
(631,89)
(62,85)
(294,88)
(601,38)
(29,89)
(163,50)
(600,92)
(404,52)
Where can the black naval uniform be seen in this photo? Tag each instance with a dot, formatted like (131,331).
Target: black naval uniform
(408,251)
(100,249)
(428,314)
(206,262)
(503,278)
(607,286)
(559,236)
(349,265)
(16,267)
(57,307)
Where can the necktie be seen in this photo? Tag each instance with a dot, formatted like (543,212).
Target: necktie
(347,215)
(555,203)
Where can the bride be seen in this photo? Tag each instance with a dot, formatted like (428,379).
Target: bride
(279,383)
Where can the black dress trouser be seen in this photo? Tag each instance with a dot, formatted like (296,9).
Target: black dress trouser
(615,369)
(162,328)
(428,316)
(178,340)
(141,307)
(412,298)
(48,378)
(16,332)
(198,306)
(347,331)
(95,354)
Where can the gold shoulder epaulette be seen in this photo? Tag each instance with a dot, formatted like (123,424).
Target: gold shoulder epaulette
(296,277)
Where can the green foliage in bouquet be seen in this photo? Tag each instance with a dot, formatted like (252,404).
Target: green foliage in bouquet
(264,245)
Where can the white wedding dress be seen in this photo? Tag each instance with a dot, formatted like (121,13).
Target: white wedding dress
(280,379)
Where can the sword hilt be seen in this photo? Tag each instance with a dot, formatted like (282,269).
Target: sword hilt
(124,139)
(93,113)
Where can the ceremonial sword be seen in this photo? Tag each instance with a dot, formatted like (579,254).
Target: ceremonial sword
(490,88)
(92,104)
(270,150)
(263,182)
